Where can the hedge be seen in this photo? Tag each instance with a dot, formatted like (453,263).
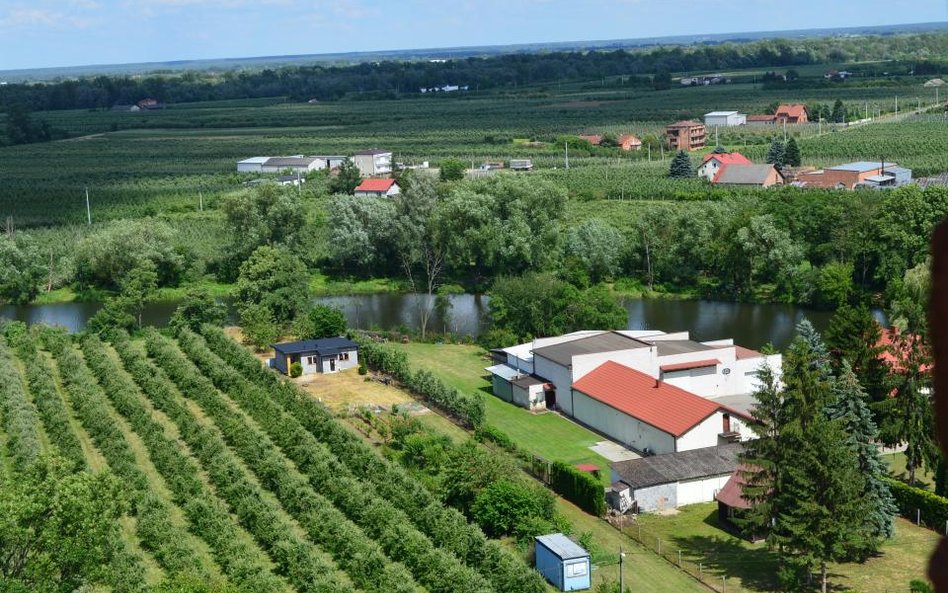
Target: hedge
(467,408)
(18,413)
(578,487)
(912,501)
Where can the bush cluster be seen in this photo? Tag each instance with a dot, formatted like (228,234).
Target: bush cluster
(911,500)
(578,487)
(19,415)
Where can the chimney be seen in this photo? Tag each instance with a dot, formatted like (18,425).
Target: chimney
(658,382)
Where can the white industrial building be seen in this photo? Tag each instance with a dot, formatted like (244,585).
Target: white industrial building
(649,415)
(664,482)
(296,163)
(724,119)
(373,163)
(252,165)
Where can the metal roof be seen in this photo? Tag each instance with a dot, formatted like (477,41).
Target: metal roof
(862,166)
(503,371)
(323,347)
(290,161)
(682,465)
(373,152)
(562,546)
(256,160)
(721,113)
(672,347)
(563,354)
(527,381)
(744,174)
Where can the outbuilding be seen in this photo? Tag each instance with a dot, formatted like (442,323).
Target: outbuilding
(724,119)
(378,188)
(664,482)
(327,355)
(563,562)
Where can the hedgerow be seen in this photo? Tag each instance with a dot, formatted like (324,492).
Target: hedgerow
(446,527)
(438,570)
(19,414)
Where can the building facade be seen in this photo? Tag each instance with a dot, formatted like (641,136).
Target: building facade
(724,119)
(373,163)
(686,135)
(327,355)
(562,562)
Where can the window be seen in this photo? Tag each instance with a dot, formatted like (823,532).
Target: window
(311,360)
(576,569)
(344,356)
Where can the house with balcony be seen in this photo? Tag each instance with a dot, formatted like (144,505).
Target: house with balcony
(373,163)
(686,135)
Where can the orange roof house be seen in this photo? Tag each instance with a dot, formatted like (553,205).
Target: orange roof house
(792,114)
(377,187)
(630,142)
(715,161)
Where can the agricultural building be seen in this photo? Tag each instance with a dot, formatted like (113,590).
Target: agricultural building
(791,114)
(724,119)
(380,188)
(686,135)
(748,175)
(858,174)
(521,164)
(652,416)
(296,164)
(328,355)
(761,120)
(663,482)
(563,562)
(373,163)
(252,165)
(714,162)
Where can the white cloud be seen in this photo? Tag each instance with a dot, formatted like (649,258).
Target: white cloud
(27,17)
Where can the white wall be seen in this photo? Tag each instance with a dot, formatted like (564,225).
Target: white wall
(559,376)
(634,358)
(704,434)
(701,381)
(620,426)
(701,489)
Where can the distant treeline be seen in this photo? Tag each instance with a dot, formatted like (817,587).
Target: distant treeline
(392,79)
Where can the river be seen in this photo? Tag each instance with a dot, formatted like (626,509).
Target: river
(751,325)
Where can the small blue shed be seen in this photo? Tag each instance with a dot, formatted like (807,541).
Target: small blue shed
(562,562)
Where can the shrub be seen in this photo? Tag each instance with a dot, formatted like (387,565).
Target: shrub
(296,369)
(578,487)
(914,501)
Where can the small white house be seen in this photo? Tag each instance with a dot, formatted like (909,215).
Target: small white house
(373,163)
(664,482)
(327,355)
(380,188)
(714,162)
(652,416)
(724,119)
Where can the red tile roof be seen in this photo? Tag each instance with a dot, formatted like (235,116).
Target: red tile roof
(741,353)
(890,356)
(727,158)
(761,117)
(666,407)
(594,139)
(382,185)
(684,366)
(795,110)
(587,467)
(630,138)
(685,124)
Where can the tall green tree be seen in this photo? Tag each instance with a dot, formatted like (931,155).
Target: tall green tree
(347,179)
(598,246)
(452,170)
(839,113)
(258,325)
(321,321)
(681,167)
(792,153)
(21,271)
(275,279)
(855,336)
(197,308)
(777,154)
(851,406)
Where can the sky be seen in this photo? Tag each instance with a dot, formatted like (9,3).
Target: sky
(51,33)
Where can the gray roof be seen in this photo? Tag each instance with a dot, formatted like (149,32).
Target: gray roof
(562,546)
(323,347)
(721,113)
(290,161)
(675,467)
(527,381)
(862,166)
(563,354)
(670,347)
(745,174)
(503,371)
(373,152)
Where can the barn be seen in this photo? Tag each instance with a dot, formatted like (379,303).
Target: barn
(663,482)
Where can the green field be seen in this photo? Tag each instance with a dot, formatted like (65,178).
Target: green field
(695,530)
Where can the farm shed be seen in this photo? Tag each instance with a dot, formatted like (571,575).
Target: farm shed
(724,119)
(749,175)
(672,480)
(297,164)
(252,165)
(651,415)
(563,562)
(501,377)
(327,355)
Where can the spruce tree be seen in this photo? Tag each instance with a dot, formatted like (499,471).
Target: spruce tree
(850,405)
(854,334)
(819,353)
(839,112)
(347,178)
(777,153)
(792,153)
(681,166)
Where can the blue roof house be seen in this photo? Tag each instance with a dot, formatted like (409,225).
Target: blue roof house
(328,355)
(564,563)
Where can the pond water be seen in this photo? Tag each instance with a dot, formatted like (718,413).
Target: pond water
(750,325)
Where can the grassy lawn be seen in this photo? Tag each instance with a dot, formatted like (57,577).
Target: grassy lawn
(695,530)
(548,435)
(924,478)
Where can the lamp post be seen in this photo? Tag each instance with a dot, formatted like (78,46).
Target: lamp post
(621,576)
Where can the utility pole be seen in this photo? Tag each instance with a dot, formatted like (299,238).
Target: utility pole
(88,209)
(867,110)
(566,145)
(621,575)
(201,201)
(784,130)
(716,142)
(896,105)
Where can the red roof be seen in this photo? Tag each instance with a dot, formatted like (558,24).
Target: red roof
(685,124)
(741,353)
(761,117)
(595,139)
(732,494)
(889,354)
(791,111)
(684,366)
(630,138)
(728,158)
(666,407)
(382,185)
(587,467)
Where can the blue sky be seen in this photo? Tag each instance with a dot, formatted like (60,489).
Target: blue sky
(46,33)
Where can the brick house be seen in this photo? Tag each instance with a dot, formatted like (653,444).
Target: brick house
(791,114)
(686,135)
